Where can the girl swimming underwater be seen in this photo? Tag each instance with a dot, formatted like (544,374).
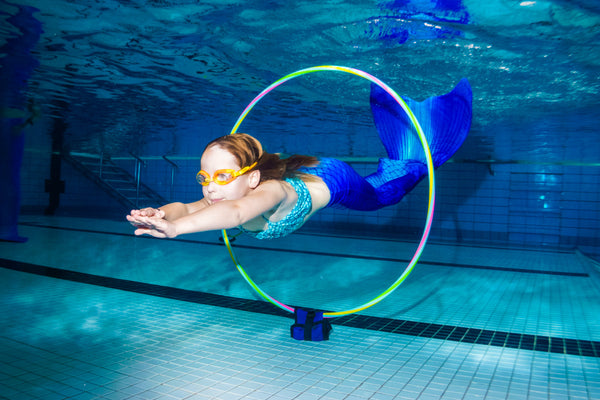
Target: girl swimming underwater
(270,197)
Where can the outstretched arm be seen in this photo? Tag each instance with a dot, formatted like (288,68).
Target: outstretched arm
(222,215)
(170,212)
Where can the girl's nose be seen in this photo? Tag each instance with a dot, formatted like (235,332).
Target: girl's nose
(211,187)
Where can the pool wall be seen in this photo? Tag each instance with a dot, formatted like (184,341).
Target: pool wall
(507,202)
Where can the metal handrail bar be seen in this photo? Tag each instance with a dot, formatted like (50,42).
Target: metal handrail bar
(174,167)
(138,176)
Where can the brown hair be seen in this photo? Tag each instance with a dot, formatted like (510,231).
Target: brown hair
(247,150)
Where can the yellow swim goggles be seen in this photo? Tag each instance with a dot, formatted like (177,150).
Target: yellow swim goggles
(221,176)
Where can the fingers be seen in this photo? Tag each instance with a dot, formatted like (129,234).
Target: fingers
(152,212)
(148,221)
(151,232)
(149,225)
(147,212)
(143,220)
(135,221)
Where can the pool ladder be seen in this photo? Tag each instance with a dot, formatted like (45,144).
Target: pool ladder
(126,188)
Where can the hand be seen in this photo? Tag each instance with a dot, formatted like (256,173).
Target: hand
(151,222)
(135,217)
(148,212)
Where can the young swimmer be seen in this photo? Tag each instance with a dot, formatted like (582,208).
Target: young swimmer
(270,197)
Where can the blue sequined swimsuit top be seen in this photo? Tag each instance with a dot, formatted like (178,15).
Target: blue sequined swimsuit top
(293,220)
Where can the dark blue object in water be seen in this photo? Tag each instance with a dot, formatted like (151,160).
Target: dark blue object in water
(310,325)
(405,20)
(15,69)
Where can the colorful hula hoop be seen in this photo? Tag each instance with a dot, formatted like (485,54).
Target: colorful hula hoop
(430,207)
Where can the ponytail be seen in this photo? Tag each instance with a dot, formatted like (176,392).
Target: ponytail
(272,166)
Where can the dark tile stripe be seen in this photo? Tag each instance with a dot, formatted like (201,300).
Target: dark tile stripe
(326,254)
(421,329)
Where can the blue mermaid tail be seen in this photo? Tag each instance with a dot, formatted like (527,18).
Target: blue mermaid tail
(445,120)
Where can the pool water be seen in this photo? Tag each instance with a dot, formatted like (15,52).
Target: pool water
(503,303)
(120,316)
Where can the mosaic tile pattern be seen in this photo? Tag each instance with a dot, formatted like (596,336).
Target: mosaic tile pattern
(76,324)
(420,329)
(89,342)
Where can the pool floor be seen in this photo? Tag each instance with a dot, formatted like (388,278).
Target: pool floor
(91,312)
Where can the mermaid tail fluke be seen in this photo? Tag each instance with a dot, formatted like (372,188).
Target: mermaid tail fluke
(445,120)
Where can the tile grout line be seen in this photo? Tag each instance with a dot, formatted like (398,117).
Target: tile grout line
(546,344)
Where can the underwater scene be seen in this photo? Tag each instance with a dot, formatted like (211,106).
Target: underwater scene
(161,78)
(465,265)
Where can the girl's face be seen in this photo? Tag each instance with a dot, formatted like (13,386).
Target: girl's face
(216,158)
